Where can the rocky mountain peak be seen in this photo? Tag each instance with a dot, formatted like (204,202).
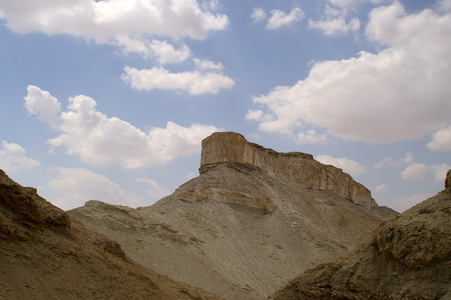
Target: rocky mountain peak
(295,167)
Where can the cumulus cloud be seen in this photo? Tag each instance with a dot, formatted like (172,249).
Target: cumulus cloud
(408,158)
(311,137)
(439,171)
(336,21)
(350,166)
(258,15)
(43,104)
(103,141)
(415,172)
(127,24)
(155,191)
(74,186)
(399,93)
(441,140)
(381,189)
(401,204)
(194,82)
(279,18)
(13,158)
(203,64)
(166,53)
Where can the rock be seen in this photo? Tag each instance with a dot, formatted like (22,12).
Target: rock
(448,179)
(409,257)
(299,168)
(46,255)
(29,206)
(252,220)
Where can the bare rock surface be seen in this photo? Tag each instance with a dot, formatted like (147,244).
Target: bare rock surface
(46,255)
(247,224)
(409,257)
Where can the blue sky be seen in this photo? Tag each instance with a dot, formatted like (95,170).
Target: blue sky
(109,100)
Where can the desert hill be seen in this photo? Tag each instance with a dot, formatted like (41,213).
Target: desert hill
(409,257)
(251,221)
(46,255)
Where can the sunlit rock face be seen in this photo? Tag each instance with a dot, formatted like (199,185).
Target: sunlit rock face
(252,220)
(296,167)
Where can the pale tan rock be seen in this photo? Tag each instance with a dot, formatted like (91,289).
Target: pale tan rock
(246,225)
(409,257)
(46,255)
(299,168)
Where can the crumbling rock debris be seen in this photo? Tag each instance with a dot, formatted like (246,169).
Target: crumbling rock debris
(409,257)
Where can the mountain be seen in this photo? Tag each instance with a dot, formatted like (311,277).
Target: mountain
(45,254)
(408,257)
(252,220)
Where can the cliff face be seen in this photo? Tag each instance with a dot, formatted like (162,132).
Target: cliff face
(252,220)
(409,257)
(296,167)
(46,255)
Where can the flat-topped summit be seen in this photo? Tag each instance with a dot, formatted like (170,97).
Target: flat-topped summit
(296,167)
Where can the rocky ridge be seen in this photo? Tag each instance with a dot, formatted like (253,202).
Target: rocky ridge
(46,255)
(408,257)
(252,220)
(299,168)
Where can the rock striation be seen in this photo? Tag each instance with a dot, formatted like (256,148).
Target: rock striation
(46,255)
(408,257)
(299,168)
(252,220)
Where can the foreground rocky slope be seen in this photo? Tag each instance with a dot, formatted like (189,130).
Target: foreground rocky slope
(46,255)
(409,257)
(252,220)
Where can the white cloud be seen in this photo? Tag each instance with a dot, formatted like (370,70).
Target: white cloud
(351,167)
(203,64)
(408,158)
(335,20)
(335,26)
(258,15)
(73,187)
(127,24)
(311,137)
(104,141)
(43,104)
(165,53)
(381,189)
(415,172)
(155,191)
(441,140)
(439,171)
(279,19)
(397,94)
(195,82)
(444,5)
(401,204)
(12,158)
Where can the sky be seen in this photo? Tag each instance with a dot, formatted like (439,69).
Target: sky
(109,100)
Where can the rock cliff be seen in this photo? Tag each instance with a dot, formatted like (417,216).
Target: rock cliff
(408,257)
(46,255)
(252,220)
(299,168)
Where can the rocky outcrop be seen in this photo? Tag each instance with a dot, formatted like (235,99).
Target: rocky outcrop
(448,179)
(46,255)
(409,257)
(296,167)
(252,220)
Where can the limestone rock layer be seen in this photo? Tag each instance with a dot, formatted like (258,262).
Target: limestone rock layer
(252,220)
(299,168)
